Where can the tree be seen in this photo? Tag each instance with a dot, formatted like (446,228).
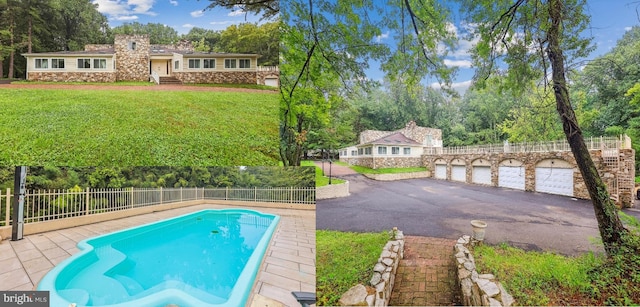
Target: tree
(252,38)
(268,8)
(533,37)
(326,47)
(158,33)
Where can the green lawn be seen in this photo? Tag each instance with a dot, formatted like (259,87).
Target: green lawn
(125,83)
(110,127)
(547,279)
(344,259)
(321,179)
(394,170)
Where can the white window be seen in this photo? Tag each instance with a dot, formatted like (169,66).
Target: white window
(395,150)
(245,63)
(57,63)
(353,153)
(230,63)
(84,63)
(382,150)
(428,140)
(132,45)
(359,151)
(194,63)
(367,151)
(209,63)
(407,150)
(42,63)
(99,63)
(177,65)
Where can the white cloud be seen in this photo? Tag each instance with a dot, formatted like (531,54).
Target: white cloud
(196,14)
(460,87)
(382,36)
(174,2)
(237,11)
(220,22)
(187,25)
(457,63)
(627,29)
(125,9)
(125,18)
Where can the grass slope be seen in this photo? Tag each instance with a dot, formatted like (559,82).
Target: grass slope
(109,127)
(321,179)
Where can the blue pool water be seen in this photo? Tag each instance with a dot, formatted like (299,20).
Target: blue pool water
(206,258)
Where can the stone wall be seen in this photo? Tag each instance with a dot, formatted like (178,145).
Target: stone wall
(384,162)
(378,293)
(262,75)
(132,65)
(72,76)
(530,160)
(477,289)
(333,191)
(219,77)
(398,176)
(96,47)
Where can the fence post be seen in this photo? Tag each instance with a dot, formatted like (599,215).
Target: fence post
(131,197)
(180,194)
(86,200)
(226,193)
(291,195)
(8,207)
(255,194)
(161,195)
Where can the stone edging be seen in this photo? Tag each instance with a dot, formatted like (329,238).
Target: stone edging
(333,191)
(477,289)
(384,275)
(398,176)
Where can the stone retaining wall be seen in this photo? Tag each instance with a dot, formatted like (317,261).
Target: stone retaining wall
(398,176)
(384,274)
(477,289)
(218,77)
(72,76)
(384,162)
(333,191)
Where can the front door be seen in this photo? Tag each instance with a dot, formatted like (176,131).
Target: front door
(160,67)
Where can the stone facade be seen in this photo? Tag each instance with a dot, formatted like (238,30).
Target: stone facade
(73,76)
(477,289)
(96,47)
(263,75)
(378,293)
(530,160)
(398,176)
(132,60)
(384,162)
(233,77)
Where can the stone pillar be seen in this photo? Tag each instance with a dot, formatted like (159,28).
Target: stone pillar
(132,57)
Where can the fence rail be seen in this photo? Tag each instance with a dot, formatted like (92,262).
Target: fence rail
(44,205)
(597,143)
(268,68)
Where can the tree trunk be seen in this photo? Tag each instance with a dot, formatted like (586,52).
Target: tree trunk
(11,44)
(611,229)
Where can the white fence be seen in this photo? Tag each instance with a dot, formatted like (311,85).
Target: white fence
(597,143)
(43,205)
(268,68)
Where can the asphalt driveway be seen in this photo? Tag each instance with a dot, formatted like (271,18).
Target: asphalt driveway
(443,209)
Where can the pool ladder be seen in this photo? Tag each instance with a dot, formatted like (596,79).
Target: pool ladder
(305,298)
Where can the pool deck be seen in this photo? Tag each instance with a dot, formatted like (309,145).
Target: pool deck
(289,263)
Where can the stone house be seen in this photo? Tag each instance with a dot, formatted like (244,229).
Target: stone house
(400,148)
(133,58)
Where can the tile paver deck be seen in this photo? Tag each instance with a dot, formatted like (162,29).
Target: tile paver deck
(426,275)
(289,263)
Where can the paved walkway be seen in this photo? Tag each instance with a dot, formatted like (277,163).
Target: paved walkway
(336,170)
(289,263)
(426,275)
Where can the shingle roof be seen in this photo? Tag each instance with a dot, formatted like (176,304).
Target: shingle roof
(393,139)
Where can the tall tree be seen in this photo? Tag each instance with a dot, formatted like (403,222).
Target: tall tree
(533,37)
(268,8)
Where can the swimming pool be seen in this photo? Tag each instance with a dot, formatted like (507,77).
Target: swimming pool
(206,258)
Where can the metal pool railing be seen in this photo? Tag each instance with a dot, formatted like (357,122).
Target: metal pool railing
(44,205)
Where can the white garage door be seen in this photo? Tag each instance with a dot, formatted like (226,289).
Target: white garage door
(554,180)
(459,173)
(271,82)
(481,175)
(441,171)
(511,177)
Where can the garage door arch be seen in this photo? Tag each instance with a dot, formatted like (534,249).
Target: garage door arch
(458,170)
(440,169)
(481,171)
(555,176)
(511,174)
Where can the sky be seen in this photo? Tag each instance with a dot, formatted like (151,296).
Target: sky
(182,15)
(610,19)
